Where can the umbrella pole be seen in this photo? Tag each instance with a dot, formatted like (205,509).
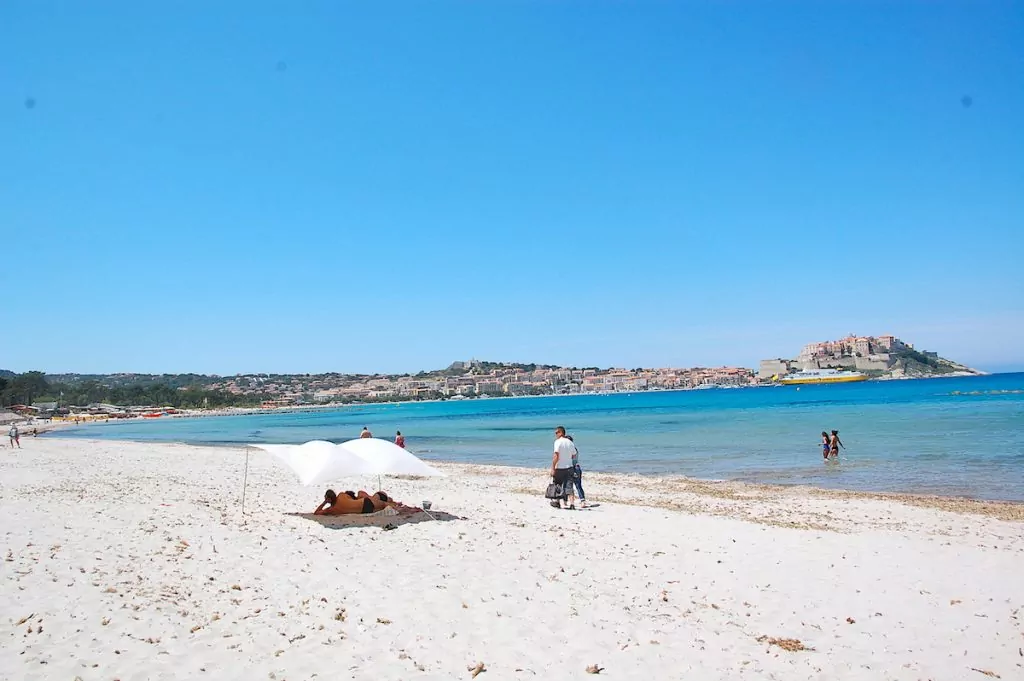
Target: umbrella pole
(245,482)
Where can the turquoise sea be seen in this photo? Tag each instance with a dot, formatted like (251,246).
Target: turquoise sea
(951,436)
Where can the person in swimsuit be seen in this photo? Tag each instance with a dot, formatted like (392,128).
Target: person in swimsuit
(380,500)
(366,432)
(346,504)
(834,444)
(400,439)
(826,445)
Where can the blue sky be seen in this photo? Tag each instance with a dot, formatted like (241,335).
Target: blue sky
(228,187)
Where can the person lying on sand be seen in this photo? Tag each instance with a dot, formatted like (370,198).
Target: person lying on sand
(350,503)
(343,505)
(380,501)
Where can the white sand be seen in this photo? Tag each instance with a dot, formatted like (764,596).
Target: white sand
(131,562)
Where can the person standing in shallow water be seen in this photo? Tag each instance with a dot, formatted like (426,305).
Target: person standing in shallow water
(400,439)
(826,445)
(366,432)
(834,444)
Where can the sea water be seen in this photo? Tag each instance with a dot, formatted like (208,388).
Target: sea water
(950,436)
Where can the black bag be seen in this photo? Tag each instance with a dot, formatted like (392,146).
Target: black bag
(554,491)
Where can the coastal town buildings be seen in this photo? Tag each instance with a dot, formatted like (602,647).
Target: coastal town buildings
(478,379)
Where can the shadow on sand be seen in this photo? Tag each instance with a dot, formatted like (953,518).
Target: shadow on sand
(342,522)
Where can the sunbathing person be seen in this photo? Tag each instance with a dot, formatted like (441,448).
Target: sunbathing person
(380,500)
(343,505)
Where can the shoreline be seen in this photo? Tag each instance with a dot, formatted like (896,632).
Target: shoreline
(940,499)
(785,463)
(996,508)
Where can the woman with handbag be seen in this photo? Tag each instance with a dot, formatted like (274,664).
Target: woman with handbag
(562,470)
(577,473)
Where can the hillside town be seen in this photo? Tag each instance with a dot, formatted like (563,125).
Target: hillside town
(475,379)
(129,395)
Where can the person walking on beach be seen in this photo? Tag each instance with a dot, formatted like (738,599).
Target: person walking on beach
(15,437)
(826,445)
(562,470)
(834,444)
(577,473)
(366,432)
(400,439)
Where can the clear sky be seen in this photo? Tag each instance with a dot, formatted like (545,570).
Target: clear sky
(379,186)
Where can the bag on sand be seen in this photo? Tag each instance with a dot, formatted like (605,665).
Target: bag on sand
(554,491)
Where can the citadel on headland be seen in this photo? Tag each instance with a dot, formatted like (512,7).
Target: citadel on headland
(877,357)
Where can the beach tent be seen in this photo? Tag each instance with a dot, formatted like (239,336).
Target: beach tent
(387,458)
(318,461)
(314,462)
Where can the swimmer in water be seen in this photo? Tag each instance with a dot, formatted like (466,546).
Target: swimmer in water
(834,444)
(826,445)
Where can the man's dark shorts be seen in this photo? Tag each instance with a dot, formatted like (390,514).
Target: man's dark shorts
(563,477)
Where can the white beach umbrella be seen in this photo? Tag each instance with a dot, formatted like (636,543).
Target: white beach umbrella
(387,458)
(317,461)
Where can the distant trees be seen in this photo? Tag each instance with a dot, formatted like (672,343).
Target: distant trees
(32,387)
(931,363)
(23,388)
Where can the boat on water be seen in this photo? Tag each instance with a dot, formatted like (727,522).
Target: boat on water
(814,376)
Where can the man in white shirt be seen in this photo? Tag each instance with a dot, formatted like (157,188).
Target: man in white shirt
(562,469)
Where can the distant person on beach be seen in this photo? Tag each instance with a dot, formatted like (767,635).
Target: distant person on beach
(15,437)
(400,439)
(577,473)
(826,445)
(562,470)
(834,444)
(343,505)
(366,432)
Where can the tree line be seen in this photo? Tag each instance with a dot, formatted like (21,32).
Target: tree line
(33,386)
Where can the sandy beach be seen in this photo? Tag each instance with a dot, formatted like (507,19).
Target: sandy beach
(133,561)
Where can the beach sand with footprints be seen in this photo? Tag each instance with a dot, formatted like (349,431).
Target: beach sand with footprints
(134,561)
